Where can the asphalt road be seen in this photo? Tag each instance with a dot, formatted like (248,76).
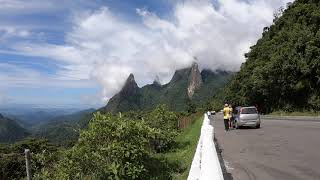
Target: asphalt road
(280,149)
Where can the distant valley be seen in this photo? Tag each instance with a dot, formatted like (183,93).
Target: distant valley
(57,125)
(30,116)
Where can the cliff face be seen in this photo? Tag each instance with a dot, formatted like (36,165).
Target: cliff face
(195,80)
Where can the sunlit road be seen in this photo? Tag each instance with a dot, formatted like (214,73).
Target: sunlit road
(281,149)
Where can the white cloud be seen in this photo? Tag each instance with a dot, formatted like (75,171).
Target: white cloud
(15,77)
(21,6)
(107,48)
(12,31)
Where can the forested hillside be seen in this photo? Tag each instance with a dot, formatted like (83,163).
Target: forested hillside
(282,71)
(10,130)
(64,130)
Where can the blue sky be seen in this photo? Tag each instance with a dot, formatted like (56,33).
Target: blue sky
(48,22)
(79,52)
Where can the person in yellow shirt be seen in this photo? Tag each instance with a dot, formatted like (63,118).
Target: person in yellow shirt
(226,116)
(230,117)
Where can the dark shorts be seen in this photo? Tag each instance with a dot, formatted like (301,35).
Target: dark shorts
(226,124)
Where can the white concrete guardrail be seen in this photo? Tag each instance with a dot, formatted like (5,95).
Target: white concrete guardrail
(205,164)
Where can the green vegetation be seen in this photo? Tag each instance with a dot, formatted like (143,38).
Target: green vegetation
(136,145)
(12,162)
(282,71)
(166,122)
(11,131)
(112,147)
(281,76)
(184,151)
(64,130)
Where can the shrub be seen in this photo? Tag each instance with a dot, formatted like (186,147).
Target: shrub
(166,122)
(111,148)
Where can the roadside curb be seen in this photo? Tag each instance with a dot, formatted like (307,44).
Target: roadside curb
(206,164)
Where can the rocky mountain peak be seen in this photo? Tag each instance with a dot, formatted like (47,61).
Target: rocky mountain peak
(157,81)
(130,87)
(130,78)
(195,80)
(1,116)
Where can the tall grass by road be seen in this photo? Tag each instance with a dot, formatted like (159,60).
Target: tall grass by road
(182,154)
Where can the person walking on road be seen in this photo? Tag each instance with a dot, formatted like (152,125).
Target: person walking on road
(226,116)
(230,117)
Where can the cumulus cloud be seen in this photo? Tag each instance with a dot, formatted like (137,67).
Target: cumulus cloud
(107,48)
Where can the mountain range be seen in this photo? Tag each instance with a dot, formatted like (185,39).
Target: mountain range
(186,84)
(28,115)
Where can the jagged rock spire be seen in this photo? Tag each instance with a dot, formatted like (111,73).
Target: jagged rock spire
(195,80)
(130,79)
(130,87)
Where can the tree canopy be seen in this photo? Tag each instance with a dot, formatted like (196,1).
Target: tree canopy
(282,71)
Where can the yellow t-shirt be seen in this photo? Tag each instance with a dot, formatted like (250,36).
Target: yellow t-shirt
(226,113)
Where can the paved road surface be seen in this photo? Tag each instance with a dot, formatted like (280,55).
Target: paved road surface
(280,149)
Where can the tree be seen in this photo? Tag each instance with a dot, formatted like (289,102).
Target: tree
(191,107)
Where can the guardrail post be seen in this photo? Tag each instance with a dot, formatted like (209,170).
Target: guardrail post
(28,168)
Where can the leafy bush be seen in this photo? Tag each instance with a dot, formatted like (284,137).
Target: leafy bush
(111,148)
(166,122)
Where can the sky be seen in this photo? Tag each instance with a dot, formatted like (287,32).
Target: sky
(80,52)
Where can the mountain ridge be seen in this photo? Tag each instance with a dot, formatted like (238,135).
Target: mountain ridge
(10,130)
(185,84)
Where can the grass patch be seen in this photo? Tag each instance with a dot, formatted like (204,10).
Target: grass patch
(306,113)
(180,158)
